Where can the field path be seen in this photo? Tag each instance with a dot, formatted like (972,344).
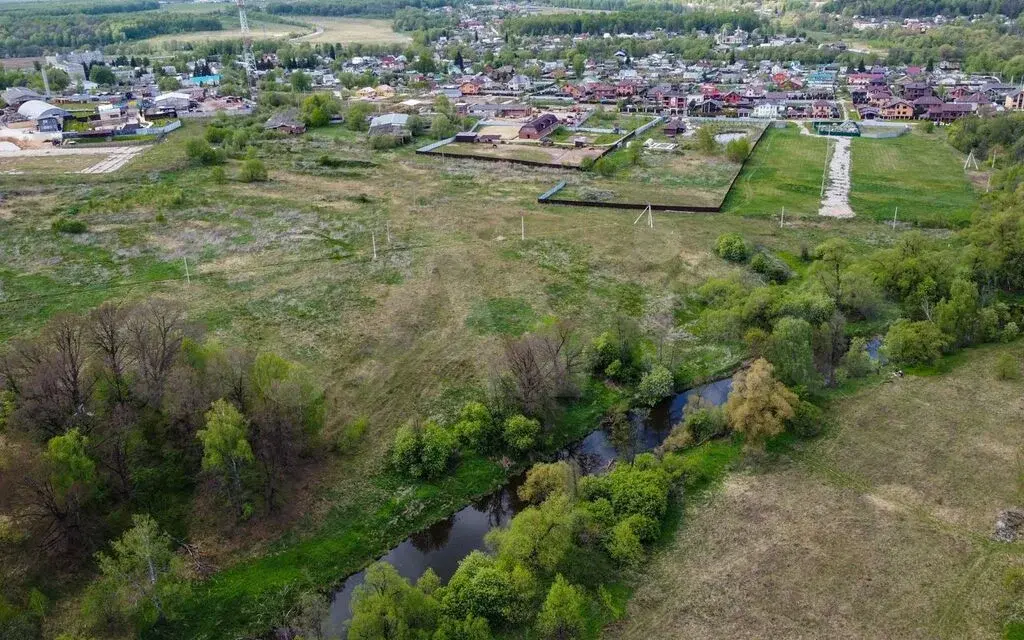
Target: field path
(836,203)
(114,157)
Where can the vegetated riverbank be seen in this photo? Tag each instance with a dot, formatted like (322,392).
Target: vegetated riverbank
(253,597)
(442,546)
(895,502)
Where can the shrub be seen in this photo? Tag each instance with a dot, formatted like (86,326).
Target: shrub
(546,479)
(808,421)
(1007,367)
(731,247)
(1010,332)
(857,362)
(385,142)
(476,428)
(69,225)
(791,351)
(438,449)
(773,270)
(351,434)
(737,150)
(253,170)
(521,433)
(218,175)
(655,385)
(564,614)
(759,405)
(405,452)
(200,152)
(911,343)
(624,545)
(703,420)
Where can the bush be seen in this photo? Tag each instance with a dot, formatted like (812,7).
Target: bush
(476,428)
(438,449)
(857,362)
(384,142)
(731,247)
(564,614)
(521,433)
(1010,332)
(69,225)
(773,270)
(1007,367)
(253,170)
(405,452)
(218,175)
(808,421)
(624,545)
(199,152)
(911,343)
(738,150)
(655,385)
(703,420)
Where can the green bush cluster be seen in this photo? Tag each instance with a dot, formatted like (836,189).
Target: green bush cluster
(732,247)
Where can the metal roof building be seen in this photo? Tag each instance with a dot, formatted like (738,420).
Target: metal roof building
(38,110)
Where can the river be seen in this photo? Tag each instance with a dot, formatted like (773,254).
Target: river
(443,545)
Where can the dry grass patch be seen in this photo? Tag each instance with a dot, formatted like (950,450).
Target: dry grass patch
(879,530)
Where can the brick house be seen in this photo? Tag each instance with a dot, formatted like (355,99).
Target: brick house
(539,127)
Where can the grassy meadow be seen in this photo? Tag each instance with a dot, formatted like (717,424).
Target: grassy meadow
(288,266)
(879,529)
(783,171)
(919,173)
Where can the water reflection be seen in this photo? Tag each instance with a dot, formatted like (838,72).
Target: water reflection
(442,546)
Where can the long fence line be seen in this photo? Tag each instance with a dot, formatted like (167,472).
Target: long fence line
(548,196)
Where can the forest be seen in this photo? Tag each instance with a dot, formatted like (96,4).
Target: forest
(632,20)
(30,33)
(366,8)
(925,8)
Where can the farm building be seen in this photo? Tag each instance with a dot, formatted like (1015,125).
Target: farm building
(17,96)
(539,127)
(173,100)
(47,117)
(390,124)
(285,122)
(674,127)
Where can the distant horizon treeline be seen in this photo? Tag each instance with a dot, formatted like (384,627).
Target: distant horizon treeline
(631,20)
(925,8)
(368,8)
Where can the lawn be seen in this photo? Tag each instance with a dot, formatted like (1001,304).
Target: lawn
(49,164)
(879,529)
(785,170)
(919,173)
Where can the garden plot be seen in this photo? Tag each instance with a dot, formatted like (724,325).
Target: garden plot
(557,156)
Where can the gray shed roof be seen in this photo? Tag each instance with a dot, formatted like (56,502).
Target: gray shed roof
(36,109)
(16,95)
(396,119)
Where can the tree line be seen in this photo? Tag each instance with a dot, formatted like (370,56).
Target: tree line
(114,423)
(371,8)
(632,20)
(925,8)
(31,33)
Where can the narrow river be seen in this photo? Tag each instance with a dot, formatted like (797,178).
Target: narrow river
(443,545)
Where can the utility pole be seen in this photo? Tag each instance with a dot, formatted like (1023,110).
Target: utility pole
(782,221)
(894,218)
(522,227)
(387,227)
(188,278)
(373,237)
(248,59)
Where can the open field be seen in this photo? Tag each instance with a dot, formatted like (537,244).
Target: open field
(46,164)
(784,171)
(351,30)
(287,266)
(261,30)
(553,155)
(879,529)
(919,173)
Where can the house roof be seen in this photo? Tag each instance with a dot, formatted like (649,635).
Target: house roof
(390,119)
(288,118)
(36,109)
(543,121)
(14,95)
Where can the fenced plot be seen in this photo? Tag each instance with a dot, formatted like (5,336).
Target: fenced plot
(534,154)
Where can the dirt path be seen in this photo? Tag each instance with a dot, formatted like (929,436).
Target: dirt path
(114,157)
(836,202)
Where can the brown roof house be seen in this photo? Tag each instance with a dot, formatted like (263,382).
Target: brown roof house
(285,122)
(539,127)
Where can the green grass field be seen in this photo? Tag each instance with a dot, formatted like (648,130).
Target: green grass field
(919,173)
(784,171)
(879,529)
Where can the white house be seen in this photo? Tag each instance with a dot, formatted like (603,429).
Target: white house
(766,110)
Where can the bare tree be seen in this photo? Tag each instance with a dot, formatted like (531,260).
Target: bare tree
(108,335)
(537,369)
(156,330)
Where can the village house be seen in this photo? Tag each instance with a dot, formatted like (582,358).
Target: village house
(1015,101)
(897,110)
(674,127)
(285,122)
(539,127)
(45,117)
(390,124)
